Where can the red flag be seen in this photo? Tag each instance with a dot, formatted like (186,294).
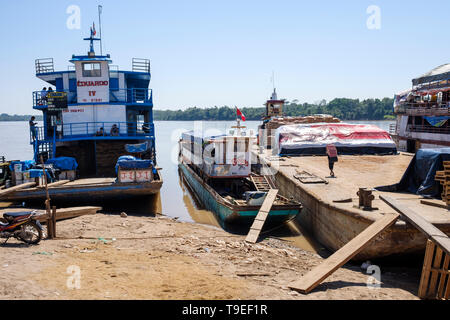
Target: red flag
(239,113)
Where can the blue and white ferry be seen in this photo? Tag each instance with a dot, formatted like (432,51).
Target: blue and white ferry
(101,117)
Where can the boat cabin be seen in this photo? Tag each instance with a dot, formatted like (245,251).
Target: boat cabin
(222,156)
(274,106)
(423,112)
(92,111)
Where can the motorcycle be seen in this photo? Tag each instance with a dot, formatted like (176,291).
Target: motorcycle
(21,225)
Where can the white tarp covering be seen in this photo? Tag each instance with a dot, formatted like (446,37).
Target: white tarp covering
(312,139)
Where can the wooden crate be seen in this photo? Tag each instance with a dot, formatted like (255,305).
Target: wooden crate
(435,279)
(143,175)
(67,175)
(126,176)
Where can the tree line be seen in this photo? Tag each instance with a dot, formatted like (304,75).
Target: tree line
(342,108)
(16,117)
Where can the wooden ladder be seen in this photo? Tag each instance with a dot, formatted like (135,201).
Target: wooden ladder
(261,217)
(261,183)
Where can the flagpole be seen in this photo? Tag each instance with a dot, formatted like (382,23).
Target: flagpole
(100,26)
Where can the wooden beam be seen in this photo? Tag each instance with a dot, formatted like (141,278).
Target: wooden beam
(55,184)
(261,217)
(16,188)
(420,223)
(436,203)
(73,212)
(313,278)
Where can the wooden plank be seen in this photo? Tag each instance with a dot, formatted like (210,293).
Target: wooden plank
(434,203)
(420,223)
(441,287)
(16,188)
(429,253)
(313,278)
(258,224)
(73,212)
(55,184)
(447,292)
(262,215)
(435,274)
(252,236)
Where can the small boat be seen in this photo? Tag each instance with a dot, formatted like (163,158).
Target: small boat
(218,169)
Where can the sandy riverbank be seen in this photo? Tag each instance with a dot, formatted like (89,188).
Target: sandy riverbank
(160,258)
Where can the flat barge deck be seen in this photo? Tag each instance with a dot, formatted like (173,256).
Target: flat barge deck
(333,221)
(91,189)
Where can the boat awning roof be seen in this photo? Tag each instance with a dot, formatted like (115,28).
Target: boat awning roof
(437,74)
(198,137)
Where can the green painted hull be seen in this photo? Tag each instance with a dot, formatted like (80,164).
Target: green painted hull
(233,213)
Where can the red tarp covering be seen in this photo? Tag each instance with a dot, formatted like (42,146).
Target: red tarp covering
(312,139)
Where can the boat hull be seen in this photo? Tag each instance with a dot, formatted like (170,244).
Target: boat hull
(228,213)
(92,192)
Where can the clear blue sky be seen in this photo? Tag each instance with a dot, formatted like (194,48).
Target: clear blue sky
(207,53)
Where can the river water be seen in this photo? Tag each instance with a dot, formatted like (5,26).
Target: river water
(176,199)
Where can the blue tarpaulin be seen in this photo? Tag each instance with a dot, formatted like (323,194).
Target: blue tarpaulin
(63,163)
(419,176)
(36,173)
(26,164)
(437,121)
(137,148)
(130,162)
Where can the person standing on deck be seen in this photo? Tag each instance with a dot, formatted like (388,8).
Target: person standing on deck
(33,128)
(43,96)
(332,157)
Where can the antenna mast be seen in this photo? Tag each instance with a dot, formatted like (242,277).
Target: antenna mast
(100,8)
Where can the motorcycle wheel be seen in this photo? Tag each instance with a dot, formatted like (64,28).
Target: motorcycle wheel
(32,232)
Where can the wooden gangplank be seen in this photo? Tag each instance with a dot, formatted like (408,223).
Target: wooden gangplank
(313,278)
(420,223)
(4,192)
(261,217)
(435,278)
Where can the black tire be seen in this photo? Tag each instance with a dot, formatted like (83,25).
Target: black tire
(35,229)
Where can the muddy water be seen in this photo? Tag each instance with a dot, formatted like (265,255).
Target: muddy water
(175,199)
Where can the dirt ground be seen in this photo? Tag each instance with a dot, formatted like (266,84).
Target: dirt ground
(109,257)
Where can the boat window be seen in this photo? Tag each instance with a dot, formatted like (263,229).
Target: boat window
(92,69)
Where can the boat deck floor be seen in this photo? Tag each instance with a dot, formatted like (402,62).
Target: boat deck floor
(353,172)
(88,181)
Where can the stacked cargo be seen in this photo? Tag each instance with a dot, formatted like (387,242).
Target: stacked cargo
(266,131)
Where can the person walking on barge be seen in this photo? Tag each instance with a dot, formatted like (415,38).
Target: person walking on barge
(332,157)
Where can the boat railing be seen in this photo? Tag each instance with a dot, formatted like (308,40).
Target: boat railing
(44,65)
(107,129)
(126,96)
(393,129)
(141,65)
(37,134)
(97,130)
(134,95)
(427,129)
(437,110)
